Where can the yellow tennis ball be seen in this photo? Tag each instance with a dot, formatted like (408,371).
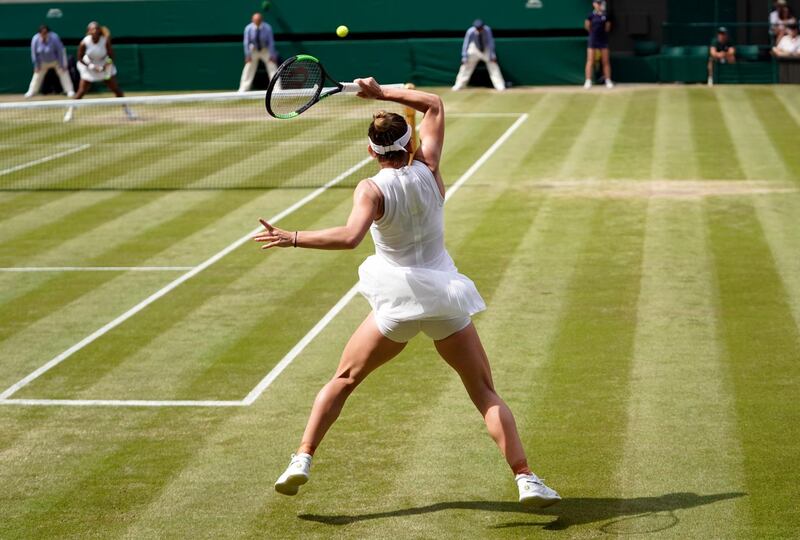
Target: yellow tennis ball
(342,31)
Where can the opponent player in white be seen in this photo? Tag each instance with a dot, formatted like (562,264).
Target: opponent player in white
(96,64)
(411,284)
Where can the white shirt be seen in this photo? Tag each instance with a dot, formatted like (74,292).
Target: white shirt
(789,44)
(96,53)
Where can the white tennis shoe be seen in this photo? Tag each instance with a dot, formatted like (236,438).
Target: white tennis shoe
(533,492)
(295,475)
(587,85)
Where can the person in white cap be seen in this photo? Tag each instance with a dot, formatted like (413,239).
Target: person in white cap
(479,47)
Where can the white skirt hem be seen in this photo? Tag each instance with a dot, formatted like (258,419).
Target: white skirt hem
(402,293)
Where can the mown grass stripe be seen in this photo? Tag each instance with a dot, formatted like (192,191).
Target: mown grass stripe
(545,158)
(759,158)
(594,342)
(114,458)
(778,217)
(778,122)
(713,148)
(673,149)
(590,152)
(762,346)
(34,209)
(632,153)
(672,460)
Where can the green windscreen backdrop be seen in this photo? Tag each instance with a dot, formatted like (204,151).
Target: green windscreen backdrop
(175,18)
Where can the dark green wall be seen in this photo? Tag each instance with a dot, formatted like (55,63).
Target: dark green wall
(170,18)
(217,66)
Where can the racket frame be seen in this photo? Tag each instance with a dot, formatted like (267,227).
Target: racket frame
(348,88)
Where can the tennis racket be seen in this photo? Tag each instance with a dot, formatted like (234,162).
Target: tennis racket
(298,84)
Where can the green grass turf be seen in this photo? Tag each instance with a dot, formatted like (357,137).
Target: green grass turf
(638,252)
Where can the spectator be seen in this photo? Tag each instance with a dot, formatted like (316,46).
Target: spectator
(259,44)
(789,45)
(479,47)
(721,51)
(780,18)
(598,25)
(47,52)
(96,64)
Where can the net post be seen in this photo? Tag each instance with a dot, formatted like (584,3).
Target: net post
(411,118)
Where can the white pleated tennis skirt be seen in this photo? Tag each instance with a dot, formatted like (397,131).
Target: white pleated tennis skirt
(403,293)
(91,75)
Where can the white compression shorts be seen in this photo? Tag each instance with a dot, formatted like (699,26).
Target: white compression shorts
(403,331)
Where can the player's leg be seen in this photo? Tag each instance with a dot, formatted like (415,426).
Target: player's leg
(366,350)
(464,352)
(605,57)
(66,81)
(589,70)
(83,87)
(113,85)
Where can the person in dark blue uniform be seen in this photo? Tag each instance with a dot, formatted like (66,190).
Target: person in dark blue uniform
(598,24)
(722,51)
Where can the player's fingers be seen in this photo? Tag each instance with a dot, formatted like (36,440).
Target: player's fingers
(266,225)
(271,244)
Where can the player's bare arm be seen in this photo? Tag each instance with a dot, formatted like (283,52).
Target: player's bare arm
(366,203)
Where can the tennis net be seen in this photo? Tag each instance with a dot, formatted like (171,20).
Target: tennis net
(187,141)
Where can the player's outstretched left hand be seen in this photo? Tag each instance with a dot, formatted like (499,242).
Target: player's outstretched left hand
(274,237)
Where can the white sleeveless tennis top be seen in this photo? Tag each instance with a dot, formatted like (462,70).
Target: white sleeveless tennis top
(412,276)
(96,53)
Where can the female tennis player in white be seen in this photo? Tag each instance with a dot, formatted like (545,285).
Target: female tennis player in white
(96,64)
(411,284)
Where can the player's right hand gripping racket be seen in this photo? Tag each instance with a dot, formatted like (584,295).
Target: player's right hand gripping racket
(298,84)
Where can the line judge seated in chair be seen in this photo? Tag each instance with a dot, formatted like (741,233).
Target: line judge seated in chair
(479,47)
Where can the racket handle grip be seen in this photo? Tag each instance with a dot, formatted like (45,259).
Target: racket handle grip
(350,88)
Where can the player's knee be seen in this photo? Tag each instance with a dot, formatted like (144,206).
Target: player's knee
(347,380)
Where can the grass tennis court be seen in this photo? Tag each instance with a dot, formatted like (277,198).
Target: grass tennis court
(638,252)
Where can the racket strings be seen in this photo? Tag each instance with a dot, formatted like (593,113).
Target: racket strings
(300,83)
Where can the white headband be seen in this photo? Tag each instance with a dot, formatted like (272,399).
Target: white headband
(399,144)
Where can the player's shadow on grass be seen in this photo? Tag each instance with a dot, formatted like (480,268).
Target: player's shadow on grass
(571,511)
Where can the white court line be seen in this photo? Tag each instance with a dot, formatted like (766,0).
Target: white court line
(95,268)
(344,300)
(45,159)
(169,287)
(122,403)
